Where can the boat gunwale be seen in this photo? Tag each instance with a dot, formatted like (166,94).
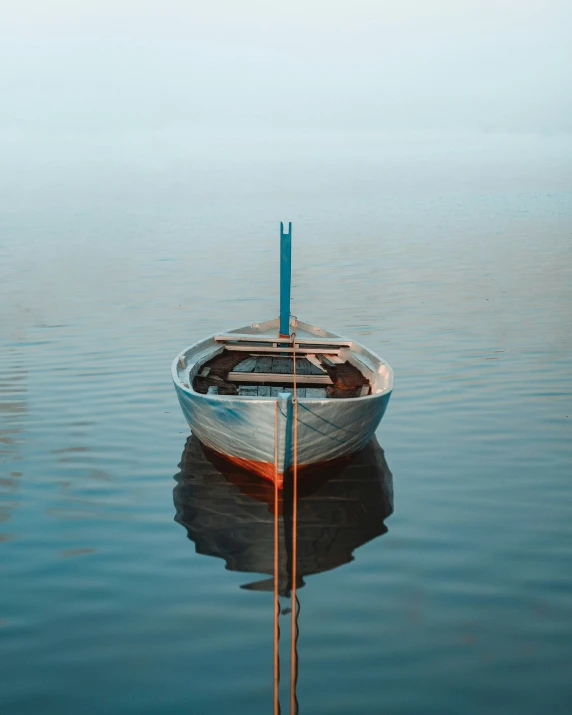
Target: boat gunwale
(264,400)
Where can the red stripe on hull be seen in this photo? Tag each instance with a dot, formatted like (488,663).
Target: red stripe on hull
(267,471)
(263,469)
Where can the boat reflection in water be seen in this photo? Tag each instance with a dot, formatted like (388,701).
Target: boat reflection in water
(229,513)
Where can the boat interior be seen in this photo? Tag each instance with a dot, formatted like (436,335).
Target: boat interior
(262,366)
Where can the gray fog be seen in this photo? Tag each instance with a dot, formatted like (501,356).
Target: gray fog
(113,67)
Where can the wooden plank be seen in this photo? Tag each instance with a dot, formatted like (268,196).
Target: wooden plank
(263,364)
(281,365)
(314,360)
(364,391)
(205,371)
(261,349)
(331,360)
(273,377)
(247,391)
(247,365)
(317,392)
(245,337)
(303,366)
(310,368)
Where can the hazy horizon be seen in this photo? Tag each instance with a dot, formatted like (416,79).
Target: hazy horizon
(109,68)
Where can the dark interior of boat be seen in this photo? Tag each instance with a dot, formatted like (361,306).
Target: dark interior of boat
(234,372)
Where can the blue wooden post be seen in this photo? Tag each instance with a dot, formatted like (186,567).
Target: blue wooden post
(285,275)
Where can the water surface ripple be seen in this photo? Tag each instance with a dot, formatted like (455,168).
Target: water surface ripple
(463,606)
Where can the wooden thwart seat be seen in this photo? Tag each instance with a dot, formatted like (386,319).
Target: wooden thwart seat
(278,377)
(318,342)
(266,344)
(274,349)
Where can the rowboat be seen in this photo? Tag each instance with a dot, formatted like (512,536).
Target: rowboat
(270,395)
(227,513)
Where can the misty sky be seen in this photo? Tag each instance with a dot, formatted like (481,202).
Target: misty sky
(103,67)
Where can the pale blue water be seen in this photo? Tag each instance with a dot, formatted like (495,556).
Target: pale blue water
(451,259)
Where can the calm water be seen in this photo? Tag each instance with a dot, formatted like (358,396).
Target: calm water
(451,258)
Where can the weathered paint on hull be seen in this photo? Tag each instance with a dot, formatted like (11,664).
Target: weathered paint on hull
(267,470)
(243,429)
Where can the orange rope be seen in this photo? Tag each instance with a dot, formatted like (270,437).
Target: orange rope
(276,601)
(294,622)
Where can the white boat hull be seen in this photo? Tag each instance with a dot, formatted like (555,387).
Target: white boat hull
(243,428)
